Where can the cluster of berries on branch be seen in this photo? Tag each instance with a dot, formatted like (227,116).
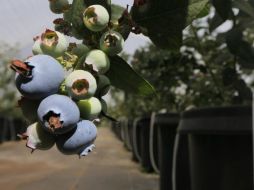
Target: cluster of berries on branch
(63,83)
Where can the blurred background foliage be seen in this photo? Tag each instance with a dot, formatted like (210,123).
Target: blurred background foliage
(8,92)
(189,63)
(206,69)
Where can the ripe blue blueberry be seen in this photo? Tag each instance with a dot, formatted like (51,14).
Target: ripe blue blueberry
(38,76)
(58,114)
(79,140)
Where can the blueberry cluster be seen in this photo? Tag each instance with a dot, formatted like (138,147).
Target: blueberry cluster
(63,101)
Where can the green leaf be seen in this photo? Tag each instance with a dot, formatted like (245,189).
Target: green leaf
(197,9)
(243,89)
(239,47)
(104,3)
(215,22)
(162,21)
(75,17)
(79,63)
(244,6)
(229,75)
(121,21)
(116,12)
(122,76)
(223,8)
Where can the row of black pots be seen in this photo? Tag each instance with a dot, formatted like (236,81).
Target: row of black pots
(202,149)
(220,147)
(10,128)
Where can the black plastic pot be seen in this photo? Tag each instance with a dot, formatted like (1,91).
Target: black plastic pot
(121,125)
(10,127)
(166,125)
(136,135)
(20,127)
(220,148)
(126,134)
(153,143)
(3,129)
(116,128)
(130,134)
(141,143)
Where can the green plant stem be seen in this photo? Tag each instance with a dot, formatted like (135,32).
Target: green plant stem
(234,25)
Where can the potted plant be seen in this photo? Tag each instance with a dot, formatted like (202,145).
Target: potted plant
(218,132)
(213,78)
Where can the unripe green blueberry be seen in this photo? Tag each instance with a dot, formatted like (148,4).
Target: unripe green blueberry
(29,108)
(96,18)
(38,138)
(80,84)
(79,49)
(111,42)
(58,6)
(53,43)
(98,60)
(103,85)
(36,49)
(89,108)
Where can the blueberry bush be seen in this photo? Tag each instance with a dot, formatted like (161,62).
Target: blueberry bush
(63,83)
(203,73)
